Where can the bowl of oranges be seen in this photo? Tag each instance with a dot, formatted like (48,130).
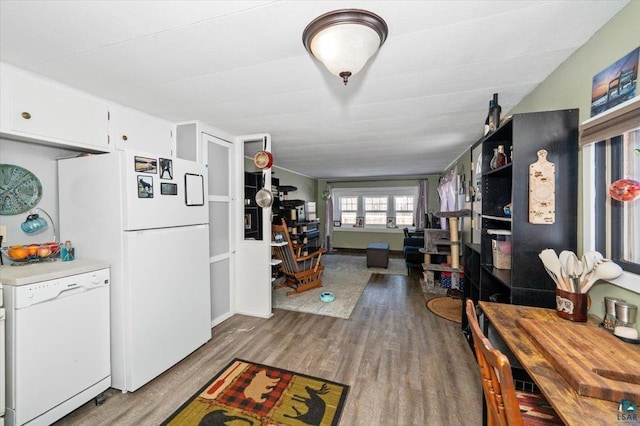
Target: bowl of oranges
(31,252)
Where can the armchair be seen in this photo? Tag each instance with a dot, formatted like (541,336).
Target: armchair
(301,273)
(412,256)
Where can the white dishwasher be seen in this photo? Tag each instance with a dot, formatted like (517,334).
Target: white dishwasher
(58,350)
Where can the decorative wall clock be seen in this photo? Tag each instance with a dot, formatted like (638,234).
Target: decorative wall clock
(20,190)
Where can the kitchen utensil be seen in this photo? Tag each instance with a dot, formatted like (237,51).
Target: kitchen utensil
(553,277)
(604,269)
(588,262)
(573,268)
(589,259)
(552,263)
(264,197)
(567,268)
(263,159)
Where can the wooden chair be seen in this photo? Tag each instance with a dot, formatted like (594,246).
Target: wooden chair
(505,405)
(301,273)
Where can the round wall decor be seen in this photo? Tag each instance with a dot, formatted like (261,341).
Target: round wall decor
(20,190)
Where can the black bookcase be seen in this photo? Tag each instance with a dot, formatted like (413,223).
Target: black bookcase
(252,211)
(527,282)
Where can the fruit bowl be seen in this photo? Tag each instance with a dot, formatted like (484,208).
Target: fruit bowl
(31,252)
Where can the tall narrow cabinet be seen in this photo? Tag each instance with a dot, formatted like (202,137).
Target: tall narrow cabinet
(526,282)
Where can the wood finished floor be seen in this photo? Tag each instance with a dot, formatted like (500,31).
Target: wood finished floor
(405,365)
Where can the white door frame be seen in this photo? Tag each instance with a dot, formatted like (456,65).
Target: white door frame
(253,257)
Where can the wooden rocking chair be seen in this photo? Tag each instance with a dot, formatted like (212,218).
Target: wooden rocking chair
(301,273)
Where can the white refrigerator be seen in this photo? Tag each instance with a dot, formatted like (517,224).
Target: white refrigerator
(148,217)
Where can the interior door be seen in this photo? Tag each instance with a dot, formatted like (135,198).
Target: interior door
(253,256)
(218,155)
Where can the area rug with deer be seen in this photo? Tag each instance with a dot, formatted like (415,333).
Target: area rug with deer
(254,394)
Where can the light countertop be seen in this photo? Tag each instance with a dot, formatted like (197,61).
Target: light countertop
(37,272)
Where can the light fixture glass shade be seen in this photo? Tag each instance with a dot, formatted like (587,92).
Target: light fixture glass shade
(344,40)
(345,48)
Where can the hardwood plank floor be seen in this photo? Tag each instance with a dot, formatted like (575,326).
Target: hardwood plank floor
(405,365)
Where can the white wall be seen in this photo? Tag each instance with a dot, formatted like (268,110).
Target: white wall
(41,161)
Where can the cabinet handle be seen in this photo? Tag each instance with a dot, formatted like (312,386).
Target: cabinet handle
(124,137)
(26,115)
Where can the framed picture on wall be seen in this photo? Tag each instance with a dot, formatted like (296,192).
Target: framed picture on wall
(391,222)
(615,84)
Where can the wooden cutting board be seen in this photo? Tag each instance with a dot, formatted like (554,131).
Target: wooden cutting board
(542,190)
(594,362)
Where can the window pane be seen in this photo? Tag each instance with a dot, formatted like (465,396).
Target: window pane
(404,210)
(404,218)
(404,203)
(349,203)
(618,221)
(378,204)
(348,218)
(373,218)
(630,213)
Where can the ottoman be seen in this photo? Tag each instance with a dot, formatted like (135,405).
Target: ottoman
(378,255)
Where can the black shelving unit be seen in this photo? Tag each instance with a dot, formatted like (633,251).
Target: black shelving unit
(527,282)
(471,287)
(304,232)
(252,212)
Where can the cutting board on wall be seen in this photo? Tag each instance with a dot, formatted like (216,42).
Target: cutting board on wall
(542,190)
(593,361)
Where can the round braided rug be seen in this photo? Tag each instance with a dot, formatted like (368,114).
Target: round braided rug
(446,307)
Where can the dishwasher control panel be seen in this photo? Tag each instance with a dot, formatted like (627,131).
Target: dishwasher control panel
(31,294)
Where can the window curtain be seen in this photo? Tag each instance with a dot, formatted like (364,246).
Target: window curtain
(421,205)
(328,196)
(448,192)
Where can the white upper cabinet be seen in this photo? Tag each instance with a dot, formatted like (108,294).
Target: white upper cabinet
(44,111)
(141,132)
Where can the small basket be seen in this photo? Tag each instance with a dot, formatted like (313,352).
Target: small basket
(501,251)
(31,253)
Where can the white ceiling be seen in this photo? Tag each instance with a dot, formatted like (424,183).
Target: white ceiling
(240,66)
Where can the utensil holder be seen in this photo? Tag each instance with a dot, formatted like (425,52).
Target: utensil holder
(572,306)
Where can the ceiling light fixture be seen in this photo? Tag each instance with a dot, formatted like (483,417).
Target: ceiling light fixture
(344,40)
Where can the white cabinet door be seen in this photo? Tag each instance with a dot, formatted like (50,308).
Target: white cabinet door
(44,111)
(141,132)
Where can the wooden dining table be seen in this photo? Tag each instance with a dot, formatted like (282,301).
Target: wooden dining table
(573,407)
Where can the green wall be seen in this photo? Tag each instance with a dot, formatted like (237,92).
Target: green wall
(569,86)
(360,239)
(307,187)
